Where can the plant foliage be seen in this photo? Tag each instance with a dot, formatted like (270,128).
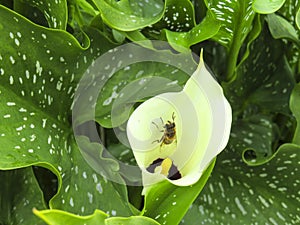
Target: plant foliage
(252,46)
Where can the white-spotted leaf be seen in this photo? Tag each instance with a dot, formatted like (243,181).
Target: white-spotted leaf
(263,84)
(178,17)
(128,15)
(230,13)
(142,79)
(197,34)
(241,194)
(236,19)
(39,69)
(55,12)
(267,6)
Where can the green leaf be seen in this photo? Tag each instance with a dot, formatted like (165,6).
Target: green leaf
(139,79)
(107,167)
(35,79)
(57,217)
(118,36)
(168,203)
(179,16)
(95,191)
(236,18)
(254,137)
(80,14)
(289,12)
(137,36)
(203,31)
(39,70)
(298,18)
(253,34)
(128,15)
(55,12)
(241,194)
(263,81)
(19,194)
(267,6)
(259,93)
(133,220)
(281,28)
(217,56)
(294,105)
(30,12)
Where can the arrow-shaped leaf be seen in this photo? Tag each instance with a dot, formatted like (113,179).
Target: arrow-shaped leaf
(39,70)
(241,194)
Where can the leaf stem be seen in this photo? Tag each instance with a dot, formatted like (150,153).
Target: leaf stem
(232,59)
(235,46)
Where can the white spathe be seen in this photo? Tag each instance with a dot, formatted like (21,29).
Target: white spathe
(203,122)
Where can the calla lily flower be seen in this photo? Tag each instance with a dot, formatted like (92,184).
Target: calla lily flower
(176,135)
